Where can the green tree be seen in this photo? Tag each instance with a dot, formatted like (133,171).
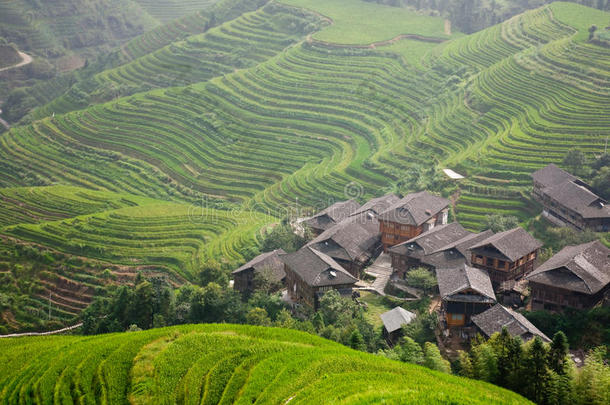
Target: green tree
(536,379)
(272,303)
(142,310)
(212,272)
(465,368)
(484,362)
(592,382)
(283,236)
(285,320)
(601,182)
(433,359)
(575,160)
(410,351)
(421,278)
(558,354)
(258,316)
(500,223)
(336,309)
(356,341)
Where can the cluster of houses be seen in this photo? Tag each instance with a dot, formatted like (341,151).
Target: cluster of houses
(480,275)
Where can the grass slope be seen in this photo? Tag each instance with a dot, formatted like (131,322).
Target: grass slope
(360,22)
(222,364)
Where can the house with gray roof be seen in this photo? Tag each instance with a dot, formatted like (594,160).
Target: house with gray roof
(576,277)
(393,321)
(268,265)
(352,243)
(331,216)
(442,246)
(310,273)
(568,201)
(377,205)
(498,317)
(507,255)
(465,291)
(411,216)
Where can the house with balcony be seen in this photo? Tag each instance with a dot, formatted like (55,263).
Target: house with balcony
(568,201)
(465,291)
(411,216)
(442,246)
(310,273)
(576,277)
(507,255)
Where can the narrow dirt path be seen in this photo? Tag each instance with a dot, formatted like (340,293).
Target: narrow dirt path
(53,332)
(447,27)
(25,60)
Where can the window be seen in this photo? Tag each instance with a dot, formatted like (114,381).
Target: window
(501,264)
(457,317)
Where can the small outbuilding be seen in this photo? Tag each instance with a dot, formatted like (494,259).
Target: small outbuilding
(268,264)
(393,321)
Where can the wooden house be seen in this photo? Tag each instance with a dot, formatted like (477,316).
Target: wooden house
(393,321)
(441,246)
(575,277)
(268,264)
(331,216)
(375,206)
(465,291)
(352,243)
(507,255)
(498,317)
(310,273)
(411,216)
(568,201)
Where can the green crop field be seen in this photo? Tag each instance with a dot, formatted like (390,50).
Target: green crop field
(254,116)
(360,22)
(222,364)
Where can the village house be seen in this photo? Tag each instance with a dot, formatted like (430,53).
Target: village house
(411,216)
(310,273)
(465,291)
(352,243)
(376,206)
(441,246)
(331,216)
(507,255)
(393,321)
(575,277)
(498,317)
(269,265)
(568,201)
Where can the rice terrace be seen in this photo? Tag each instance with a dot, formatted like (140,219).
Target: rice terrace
(187,180)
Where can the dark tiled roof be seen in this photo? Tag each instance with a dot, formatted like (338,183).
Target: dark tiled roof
(332,215)
(453,283)
(434,239)
(442,246)
(317,269)
(584,268)
(378,205)
(498,317)
(579,199)
(267,261)
(551,175)
(353,238)
(395,318)
(514,244)
(415,208)
(571,192)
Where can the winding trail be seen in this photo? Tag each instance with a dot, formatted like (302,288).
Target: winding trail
(25,60)
(53,332)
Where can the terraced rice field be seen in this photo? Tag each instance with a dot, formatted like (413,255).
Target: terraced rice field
(221,364)
(359,22)
(281,120)
(175,237)
(168,10)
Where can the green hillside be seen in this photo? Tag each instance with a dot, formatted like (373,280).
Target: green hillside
(258,114)
(221,364)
